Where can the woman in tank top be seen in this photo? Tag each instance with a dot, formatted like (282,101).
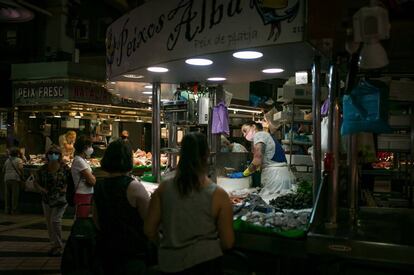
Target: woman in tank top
(193,215)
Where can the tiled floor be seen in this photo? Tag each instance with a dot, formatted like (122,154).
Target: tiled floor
(24,245)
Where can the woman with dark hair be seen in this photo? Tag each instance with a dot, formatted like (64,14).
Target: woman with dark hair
(51,181)
(120,207)
(13,177)
(269,158)
(83,178)
(195,215)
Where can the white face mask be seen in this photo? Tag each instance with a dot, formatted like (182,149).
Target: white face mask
(89,151)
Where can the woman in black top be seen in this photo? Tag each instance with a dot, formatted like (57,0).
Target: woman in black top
(120,206)
(51,180)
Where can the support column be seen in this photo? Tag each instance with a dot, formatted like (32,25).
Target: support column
(316,123)
(156,131)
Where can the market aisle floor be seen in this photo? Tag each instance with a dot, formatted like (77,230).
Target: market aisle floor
(24,245)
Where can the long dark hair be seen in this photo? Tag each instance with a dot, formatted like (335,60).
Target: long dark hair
(193,163)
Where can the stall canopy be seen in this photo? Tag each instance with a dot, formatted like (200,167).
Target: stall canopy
(165,33)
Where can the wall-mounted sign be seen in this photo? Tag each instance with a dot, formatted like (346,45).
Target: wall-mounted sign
(49,92)
(40,92)
(161,31)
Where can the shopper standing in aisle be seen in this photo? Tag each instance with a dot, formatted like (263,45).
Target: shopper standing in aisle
(83,178)
(195,215)
(51,181)
(120,207)
(13,177)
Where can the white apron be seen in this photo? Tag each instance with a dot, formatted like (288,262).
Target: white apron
(276,180)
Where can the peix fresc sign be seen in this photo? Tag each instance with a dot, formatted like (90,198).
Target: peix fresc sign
(39,92)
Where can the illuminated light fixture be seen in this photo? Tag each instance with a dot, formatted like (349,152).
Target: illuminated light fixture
(216,78)
(129,98)
(117,119)
(118,94)
(148,86)
(199,61)
(133,76)
(32,115)
(113,82)
(247,55)
(244,110)
(147,93)
(57,115)
(139,120)
(157,69)
(272,71)
(301,78)
(78,115)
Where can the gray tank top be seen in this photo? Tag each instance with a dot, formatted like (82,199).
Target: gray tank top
(189,231)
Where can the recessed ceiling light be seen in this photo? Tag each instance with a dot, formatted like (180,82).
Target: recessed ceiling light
(148,86)
(147,93)
(216,79)
(133,76)
(199,61)
(247,55)
(272,70)
(157,69)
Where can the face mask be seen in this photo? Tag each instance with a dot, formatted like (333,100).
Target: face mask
(53,157)
(249,135)
(89,151)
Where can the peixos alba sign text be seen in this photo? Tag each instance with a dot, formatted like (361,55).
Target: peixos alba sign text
(161,31)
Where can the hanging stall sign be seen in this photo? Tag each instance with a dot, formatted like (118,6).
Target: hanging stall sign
(40,92)
(161,31)
(89,93)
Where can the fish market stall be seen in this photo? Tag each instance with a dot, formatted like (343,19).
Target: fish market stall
(200,46)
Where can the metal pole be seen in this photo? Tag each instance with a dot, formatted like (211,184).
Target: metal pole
(334,143)
(156,131)
(353,188)
(316,117)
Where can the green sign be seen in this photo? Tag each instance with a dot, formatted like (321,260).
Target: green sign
(40,92)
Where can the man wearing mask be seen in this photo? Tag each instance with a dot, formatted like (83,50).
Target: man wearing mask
(124,137)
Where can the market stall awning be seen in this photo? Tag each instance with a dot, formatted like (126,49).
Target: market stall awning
(166,33)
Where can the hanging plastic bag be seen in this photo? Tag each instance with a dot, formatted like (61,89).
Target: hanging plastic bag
(29,184)
(324,135)
(366,109)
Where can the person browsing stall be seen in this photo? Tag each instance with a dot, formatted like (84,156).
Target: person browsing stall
(269,158)
(120,207)
(51,181)
(83,178)
(13,177)
(199,226)
(66,143)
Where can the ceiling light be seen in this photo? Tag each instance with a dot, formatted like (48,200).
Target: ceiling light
(139,120)
(272,71)
(57,115)
(117,119)
(32,115)
(147,93)
(199,61)
(78,115)
(247,55)
(244,110)
(133,76)
(157,69)
(216,79)
(113,82)
(148,86)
